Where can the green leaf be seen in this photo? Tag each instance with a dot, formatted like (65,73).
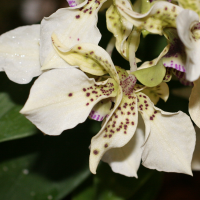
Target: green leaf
(44,167)
(13,125)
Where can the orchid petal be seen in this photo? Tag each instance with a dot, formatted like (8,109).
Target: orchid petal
(169,146)
(62,98)
(73,3)
(117,132)
(132,46)
(151,76)
(138,87)
(175,57)
(101,110)
(119,26)
(182,77)
(185,20)
(111,46)
(19,53)
(191,5)
(194,103)
(126,160)
(168,75)
(152,73)
(160,16)
(155,93)
(72,26)
(89,57)
(196,155)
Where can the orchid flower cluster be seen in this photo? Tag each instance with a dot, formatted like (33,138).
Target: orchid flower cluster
(77,79)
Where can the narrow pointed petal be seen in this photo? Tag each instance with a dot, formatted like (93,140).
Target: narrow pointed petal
(161,15)
(117,132)
(171,141)
(72,26)
(19,53)
(155,93)
(191,5)
(132,46)
(184,21)
(194,103)
(119,26)
(196,155)
(126,160)
(62,98)
(89,57)
(101,110)
(111,45)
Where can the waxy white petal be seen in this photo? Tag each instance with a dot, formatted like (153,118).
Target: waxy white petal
(72,26)
(194,103)
(19,53)
(160,16)
(62,98)
(126,160)
(101,110)
(89,57)
(171,141)
(155,93)
(117,132)
(184,21)
(119,26)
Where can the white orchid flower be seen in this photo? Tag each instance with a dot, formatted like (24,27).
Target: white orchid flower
(27,51)
(62,98)
(164,16)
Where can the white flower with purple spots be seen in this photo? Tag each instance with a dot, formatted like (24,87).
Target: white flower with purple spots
(62,98)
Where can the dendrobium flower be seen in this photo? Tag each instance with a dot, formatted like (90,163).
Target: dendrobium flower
(27,51)
(164,17)
(62,98)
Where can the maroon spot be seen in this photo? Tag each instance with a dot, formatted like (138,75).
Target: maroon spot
(91,99)
(70,94)
(151,118)
(84,89)
(79,47)
(87,94)
(155,112)
(128,113)
(95,152)
(91,52)
(90,12)
(165,8)
(87,104)
(110,136)
(132,123)
(106,145)
(77,16)
(124,132)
